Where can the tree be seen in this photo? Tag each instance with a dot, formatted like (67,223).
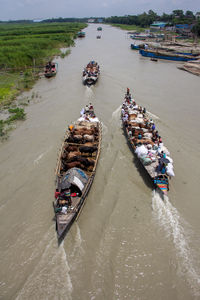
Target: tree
(196,29)
(178,13)
(189,14)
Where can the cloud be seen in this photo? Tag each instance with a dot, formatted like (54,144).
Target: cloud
(34,9)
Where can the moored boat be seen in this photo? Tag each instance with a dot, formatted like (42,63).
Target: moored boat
(145,142)
(50,69)
(81,34)
(137,47)
(166,55)
(76,167)
(91,73)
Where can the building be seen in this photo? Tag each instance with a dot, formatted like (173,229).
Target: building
(158,25)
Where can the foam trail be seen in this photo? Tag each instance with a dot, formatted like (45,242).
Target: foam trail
(116,113)
(36,161)
(53,261)
(89,95)
(170,220)
(153,116)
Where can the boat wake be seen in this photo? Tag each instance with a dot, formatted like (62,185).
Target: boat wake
(116,113)
(169,218)
(47,270)
(89,94)
(152,116)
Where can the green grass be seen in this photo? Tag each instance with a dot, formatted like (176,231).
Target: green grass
(130,27)
(15,114)
(27,48)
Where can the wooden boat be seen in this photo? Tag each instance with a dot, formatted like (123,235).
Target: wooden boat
(153,59)
(166,55)
(81,34)
(91,73)
(137,47)
(76,167)
(146,144)
(51,69)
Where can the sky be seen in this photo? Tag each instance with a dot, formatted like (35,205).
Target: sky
(44,9)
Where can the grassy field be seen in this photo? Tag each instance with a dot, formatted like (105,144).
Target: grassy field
(25,48)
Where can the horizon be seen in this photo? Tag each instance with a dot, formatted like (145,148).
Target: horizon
(14,10)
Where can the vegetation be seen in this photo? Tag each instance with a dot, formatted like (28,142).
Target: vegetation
(129,27)
(25,49)
(15,114)
(146,19)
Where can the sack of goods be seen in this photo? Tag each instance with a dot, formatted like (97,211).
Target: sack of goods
(141,151)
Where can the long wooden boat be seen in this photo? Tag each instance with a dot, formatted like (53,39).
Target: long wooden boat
(51,69)
(91,73)
(75,170)
(146,143)
(166,55)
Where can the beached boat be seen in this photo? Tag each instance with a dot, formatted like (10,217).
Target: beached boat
(76,167)
(81,34)
(137,47)
(91,73)
(50,69)
(166,55)
(191,67)
(146,143)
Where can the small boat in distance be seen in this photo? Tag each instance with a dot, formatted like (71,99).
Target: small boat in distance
(91,73)
(50,69)
(81,34)
(99,28)
(98,36)
(76,167)
(146,143)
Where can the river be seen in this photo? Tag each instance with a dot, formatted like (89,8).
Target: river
(127,243)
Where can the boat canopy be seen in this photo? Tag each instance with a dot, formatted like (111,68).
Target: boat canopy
(74,176)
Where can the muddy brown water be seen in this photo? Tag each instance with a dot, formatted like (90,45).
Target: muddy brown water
(127,243)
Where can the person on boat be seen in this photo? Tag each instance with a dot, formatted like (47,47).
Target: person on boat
(87,109)
(71,127)
(144,110)
(159,140)
(139,136)
(66,195)
(153,127)
(128,91)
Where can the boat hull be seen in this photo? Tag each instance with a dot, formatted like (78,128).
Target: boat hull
(155,181)
(79,178)
(174,57)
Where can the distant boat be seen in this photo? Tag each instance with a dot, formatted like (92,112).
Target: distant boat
(51,69)
(91,73)
(81,34)
(166,55)
(99,28)
(98,36)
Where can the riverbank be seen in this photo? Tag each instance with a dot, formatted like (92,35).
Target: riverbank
(131,28)
(25,49)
